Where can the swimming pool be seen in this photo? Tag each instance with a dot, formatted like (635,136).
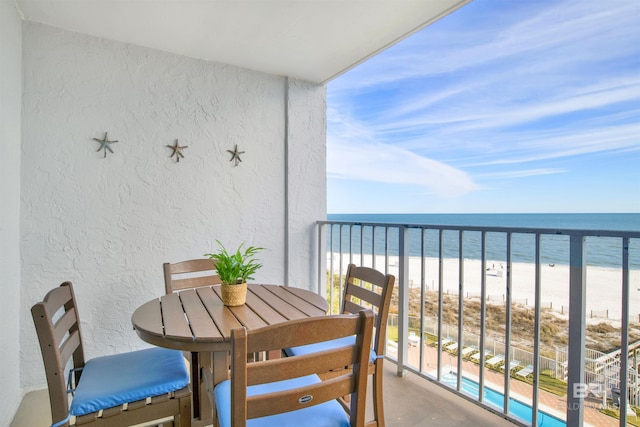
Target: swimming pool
(516,408)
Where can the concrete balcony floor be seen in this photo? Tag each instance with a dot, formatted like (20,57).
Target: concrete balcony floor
(412,401)
(409,402)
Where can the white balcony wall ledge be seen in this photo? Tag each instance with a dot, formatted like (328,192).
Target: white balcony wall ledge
(108,224)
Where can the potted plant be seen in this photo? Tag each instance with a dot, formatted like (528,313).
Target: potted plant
(235,269)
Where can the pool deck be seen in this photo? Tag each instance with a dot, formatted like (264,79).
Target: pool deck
(547,402)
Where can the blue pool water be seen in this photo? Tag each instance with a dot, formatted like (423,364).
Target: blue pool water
(516,408)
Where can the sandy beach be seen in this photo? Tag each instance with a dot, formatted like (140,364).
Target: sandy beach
(604,285)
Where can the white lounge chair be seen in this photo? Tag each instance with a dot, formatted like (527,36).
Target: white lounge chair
(413,339)
(452,347)
(468,351)
(513,365)
(524,373)
(476,356)
(495,361)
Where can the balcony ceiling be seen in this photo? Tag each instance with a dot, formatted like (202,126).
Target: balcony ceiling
(313,40)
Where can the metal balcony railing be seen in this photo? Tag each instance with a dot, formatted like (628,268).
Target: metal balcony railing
(443,324)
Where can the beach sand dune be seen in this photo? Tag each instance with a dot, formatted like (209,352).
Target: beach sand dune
(604,285)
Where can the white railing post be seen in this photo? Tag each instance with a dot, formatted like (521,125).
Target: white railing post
(536,332)
(440,300)
(507,327)
(577,330)
(624,339)
(461,310)
(483,315)
(322,259)
(423,272)
(403,296)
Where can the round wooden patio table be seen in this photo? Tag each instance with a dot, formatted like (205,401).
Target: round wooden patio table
(195,320)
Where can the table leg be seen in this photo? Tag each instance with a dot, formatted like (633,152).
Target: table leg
(203,408)
(195,381)
(212,375)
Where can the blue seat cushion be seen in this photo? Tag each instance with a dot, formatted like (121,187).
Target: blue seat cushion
(326,345)
(113,380)
(326,414)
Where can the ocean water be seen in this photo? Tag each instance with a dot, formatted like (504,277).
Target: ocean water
(601,251)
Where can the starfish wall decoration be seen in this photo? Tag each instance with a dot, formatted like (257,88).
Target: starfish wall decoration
(177,150)
(104,144)
(235,155)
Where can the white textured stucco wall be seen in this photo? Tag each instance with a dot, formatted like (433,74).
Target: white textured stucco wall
(108,224)
(10,105)
(307,182)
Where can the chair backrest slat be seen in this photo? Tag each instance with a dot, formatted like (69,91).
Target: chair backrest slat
(367,274)
(180,275)
(68,347)
(64,325)
(57,298)
(292,334)
(364,294)
(321,392)
(308,364)
(282,334)
(194,282)
(192,265)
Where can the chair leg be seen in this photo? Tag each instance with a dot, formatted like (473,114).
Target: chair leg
(183,418)
(378,407)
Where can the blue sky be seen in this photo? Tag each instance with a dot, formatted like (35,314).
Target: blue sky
(502,106)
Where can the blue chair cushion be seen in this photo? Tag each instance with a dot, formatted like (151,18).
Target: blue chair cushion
(327,414)
(113,380)
(325,345)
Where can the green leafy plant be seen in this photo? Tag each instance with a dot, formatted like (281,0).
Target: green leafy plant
(237,267)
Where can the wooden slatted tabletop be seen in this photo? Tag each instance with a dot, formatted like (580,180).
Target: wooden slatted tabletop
(195,320)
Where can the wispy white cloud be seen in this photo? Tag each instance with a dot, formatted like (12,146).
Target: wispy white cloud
(375,162)
(522,173)
(482,103)
(513,114)
(540,147)
(540,31)
(354,153)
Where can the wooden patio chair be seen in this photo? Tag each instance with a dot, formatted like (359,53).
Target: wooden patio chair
(117,390)
(366,288)
(291,391)
(191,274)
